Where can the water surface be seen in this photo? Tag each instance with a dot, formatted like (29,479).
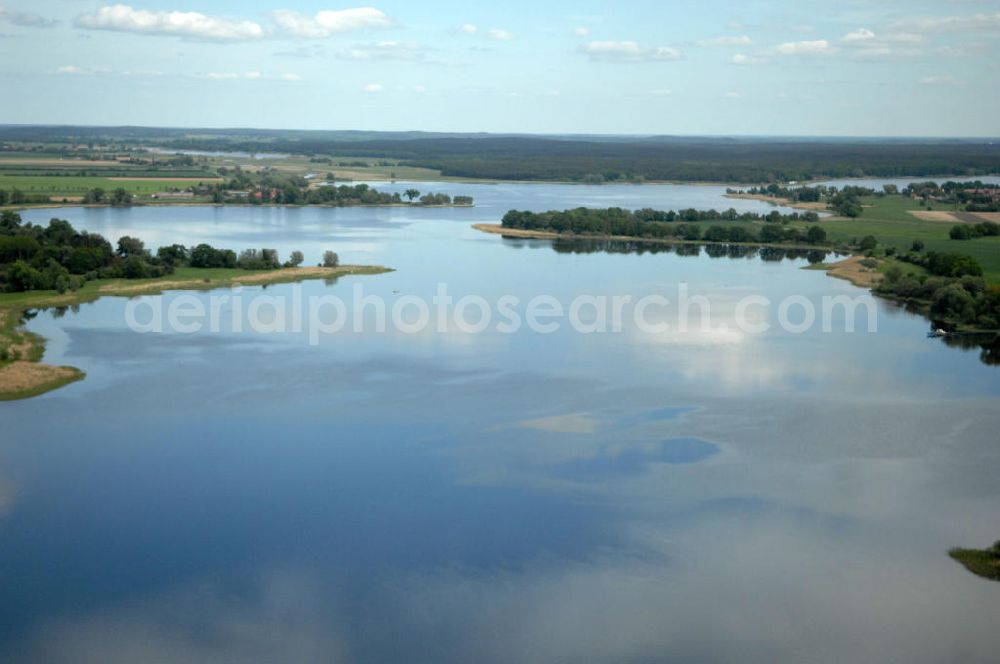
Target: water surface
(236,496)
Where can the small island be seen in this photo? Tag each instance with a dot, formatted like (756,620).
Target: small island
(981,562)
(58,266)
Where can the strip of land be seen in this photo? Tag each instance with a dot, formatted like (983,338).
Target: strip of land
(815,206)
(854,270)
(24,375)
(498,229)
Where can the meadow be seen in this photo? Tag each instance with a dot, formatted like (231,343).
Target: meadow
(78,185)
(889,220)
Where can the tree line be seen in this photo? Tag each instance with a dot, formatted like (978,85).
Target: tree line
(656,224)
(59,257)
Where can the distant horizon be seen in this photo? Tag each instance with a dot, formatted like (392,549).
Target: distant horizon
(525,134)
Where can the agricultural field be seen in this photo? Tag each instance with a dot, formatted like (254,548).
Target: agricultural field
(890,221)
(70,186)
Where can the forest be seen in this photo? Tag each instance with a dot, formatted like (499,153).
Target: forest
(575,158)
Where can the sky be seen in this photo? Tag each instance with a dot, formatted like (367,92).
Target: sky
(764,67)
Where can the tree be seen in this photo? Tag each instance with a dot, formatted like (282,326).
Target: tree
(950,264)
(270,258)
(95,195)
(205,255)
(330,259)
(135,268)
(295,259)
(954,302)
(175,254)
(917,246)
(131,246)
(960,232)
(846,205)
(411,194)
(22,277)
(121,196)
(9,220)
(868,243)
(893,274)
(816,235)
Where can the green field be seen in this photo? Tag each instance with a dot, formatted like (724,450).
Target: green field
(888,219)
(73,185)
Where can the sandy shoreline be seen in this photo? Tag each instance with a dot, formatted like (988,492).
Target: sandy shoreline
(798,205)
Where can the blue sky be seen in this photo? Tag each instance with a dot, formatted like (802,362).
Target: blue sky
(880,67)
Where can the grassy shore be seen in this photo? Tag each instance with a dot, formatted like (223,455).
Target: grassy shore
(896,221)
(22,373)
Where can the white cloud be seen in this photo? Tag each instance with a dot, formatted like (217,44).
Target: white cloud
(290,77)
(971,23)
(74,70)
(497,34)
(661,92)
(813,47)
(861,34)
(385,50)
(732,95)
(24,19)
(124,18)
(373,88)
(744,59)
(866,45)
(581,32)
(729,40)
(330,22)
(226,76)
(628,51)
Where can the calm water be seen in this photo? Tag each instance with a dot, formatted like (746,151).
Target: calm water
(236,496)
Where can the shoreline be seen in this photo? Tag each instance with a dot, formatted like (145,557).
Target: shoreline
(779,201)
(849,268)
(71,204)
(24,375)
(497,229)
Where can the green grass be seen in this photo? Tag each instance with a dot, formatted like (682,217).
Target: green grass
(78,185)
(890,222)
(37,390)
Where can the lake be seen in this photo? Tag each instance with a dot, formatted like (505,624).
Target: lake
(444,495)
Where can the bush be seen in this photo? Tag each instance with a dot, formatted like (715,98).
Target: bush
(868,243)
(23,277)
